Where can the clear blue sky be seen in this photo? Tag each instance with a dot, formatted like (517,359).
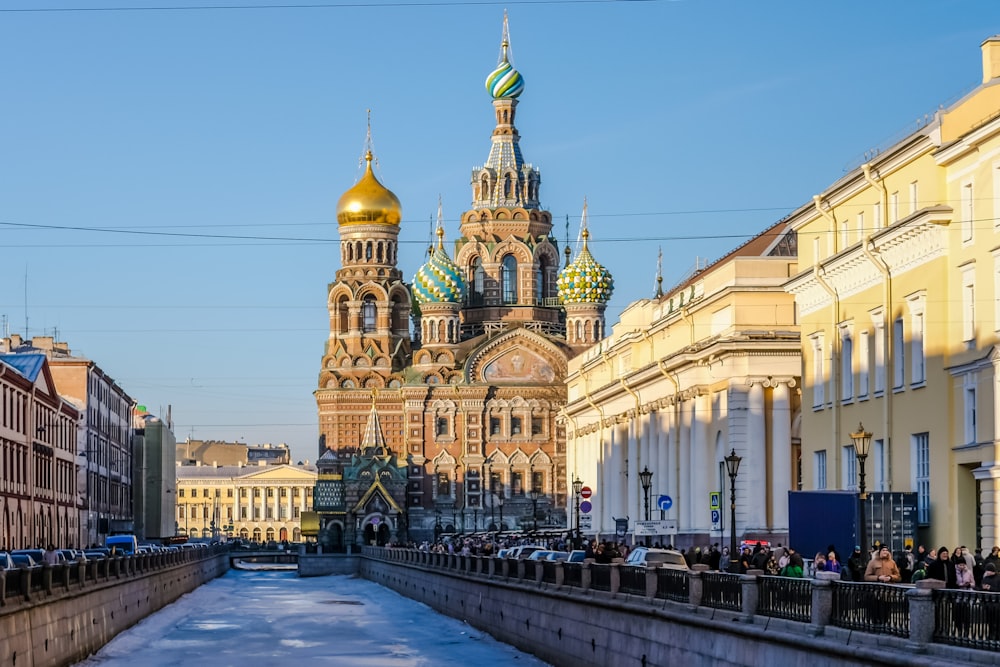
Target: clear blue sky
(168,179)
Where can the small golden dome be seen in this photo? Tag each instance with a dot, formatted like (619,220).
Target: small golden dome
(369,202)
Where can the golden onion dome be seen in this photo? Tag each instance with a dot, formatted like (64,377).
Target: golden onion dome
(369,202)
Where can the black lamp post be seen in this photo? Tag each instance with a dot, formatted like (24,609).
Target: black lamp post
(533,494)
(646,479)
(500,503)
(577,488)
(493,519)
(862,441)
(733,468)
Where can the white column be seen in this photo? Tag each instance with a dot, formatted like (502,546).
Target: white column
(754,499)
(685,497)
(633,506)
(701,463)
(989,486)
(781,456)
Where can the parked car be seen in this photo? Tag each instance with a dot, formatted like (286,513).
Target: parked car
(557,555)
(72,555)
(539,554)
(6,563)
(525,550)
(659,557)
(576,556)
(23,560)
(97,553)
(38,555)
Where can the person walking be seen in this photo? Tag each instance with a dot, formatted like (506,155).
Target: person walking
(942,569)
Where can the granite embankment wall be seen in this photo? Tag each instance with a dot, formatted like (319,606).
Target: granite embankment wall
(59,615)
(565,625)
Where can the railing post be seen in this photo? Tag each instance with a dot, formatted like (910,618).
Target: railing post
(651,581)
(750,594)
(505,568)
(26,584)
(585,575)
(695,584)
(520,569)
(921,601)
(65,575)
(560,574)
(47,578)
(615,577)
(822,601)
(3,587)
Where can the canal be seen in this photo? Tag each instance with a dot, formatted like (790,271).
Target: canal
(255,619)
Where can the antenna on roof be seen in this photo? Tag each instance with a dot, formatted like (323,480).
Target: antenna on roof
(659,273)
(26,337)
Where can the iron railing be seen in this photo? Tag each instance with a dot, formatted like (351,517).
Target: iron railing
(600,577)
(573,574)
(549,572)
(785,597)
(721,591)
(529,569)
(967,618)
(672,585)
(633,579)
(870,607)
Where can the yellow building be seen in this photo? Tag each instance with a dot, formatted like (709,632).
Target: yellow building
(685,379)
(899,302)
(259,503)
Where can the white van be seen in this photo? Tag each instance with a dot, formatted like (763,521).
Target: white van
(658,557)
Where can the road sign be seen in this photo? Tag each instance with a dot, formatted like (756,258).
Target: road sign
(664,503)
(586,492)
(714,500)
(716,516)
(659,527)
(585,507)
(586,523)
(621,527)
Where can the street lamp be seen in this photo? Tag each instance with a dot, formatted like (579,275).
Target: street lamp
(493,519)
(733,468)
(577,488)
(646,479)
(862,441)
(533,494)
(500,503)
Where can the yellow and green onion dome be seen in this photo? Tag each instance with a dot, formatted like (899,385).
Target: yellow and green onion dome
(585,281)
(505,82)
(439,280)
(369,202)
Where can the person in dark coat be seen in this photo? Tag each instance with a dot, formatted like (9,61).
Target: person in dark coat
(943,569)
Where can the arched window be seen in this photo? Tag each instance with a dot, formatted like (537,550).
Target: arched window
(476,279)
(368,313)
(508,279)
(542,287)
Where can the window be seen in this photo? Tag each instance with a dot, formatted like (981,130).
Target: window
(996,285)
(877,215)
(916,305)
(846,364)
(819,381)
(922,476)
(180,493)
(861,225)
(969,407)
(508,279)
(368,314)
(194,493)
(536,426)
(968,302)
(229,493)
(877,457)
(864,350)
(914,202)
(879,322)
(538,481)
(441,427)
(443,484)
(845,230)
(517,483)
(476,280)
(849,478)
(515,426)
(494,426)
(894,207)
(898,354)
(967,213)
(820,469)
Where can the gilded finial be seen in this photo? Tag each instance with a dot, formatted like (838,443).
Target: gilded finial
(440,226)
(505,40)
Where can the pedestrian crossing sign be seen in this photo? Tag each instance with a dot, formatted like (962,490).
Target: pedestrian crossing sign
(714,500)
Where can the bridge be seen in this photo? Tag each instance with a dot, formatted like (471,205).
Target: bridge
(566,613)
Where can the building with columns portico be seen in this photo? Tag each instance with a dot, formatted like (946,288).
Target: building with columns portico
(684,379)
(257,502)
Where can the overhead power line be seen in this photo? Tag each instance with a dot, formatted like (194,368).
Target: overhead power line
(316,5)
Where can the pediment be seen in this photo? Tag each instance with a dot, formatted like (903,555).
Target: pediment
(517,357)
(284,473)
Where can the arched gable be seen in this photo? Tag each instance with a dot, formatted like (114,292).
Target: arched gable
(374,289)
(519,356)
(443,460)
(515,247)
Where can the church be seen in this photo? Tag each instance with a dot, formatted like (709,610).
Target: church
(438,397)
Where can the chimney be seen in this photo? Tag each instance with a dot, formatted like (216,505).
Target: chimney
(991,58)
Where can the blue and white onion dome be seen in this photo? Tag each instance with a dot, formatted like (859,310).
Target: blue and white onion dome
(584,280)
(439,280)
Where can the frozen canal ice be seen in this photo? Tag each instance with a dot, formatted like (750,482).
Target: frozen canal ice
(258,619)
